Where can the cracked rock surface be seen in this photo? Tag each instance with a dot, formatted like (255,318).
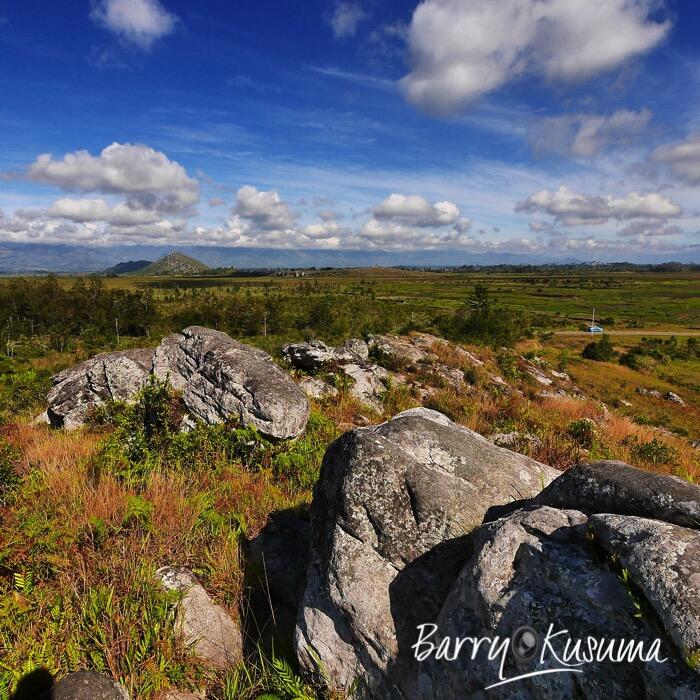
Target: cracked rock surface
(110,376)
(391,502)
(221,378)
(420,521)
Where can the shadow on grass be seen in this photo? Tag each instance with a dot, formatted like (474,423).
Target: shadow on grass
(34,685)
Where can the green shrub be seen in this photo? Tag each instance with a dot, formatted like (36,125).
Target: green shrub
(583,432)
(655,453)
(602,351)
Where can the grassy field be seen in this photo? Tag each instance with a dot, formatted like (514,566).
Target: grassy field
(622,300)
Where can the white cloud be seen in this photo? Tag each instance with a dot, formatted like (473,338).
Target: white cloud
(143,175)
(463,225)
(264,211)
(139,22)
(585,135)
(346,18)
(573,209)
(461,50)
(85,210)
(683,158)
(643,230)
(414,210)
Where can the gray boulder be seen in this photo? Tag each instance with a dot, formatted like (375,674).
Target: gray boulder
(615,487)
(308,356)
(112,376)
(428,342)
(653,393)
(316,354)
(221,378)
(390,510)
(538,568)
(353,350)
(536,373)
(206,627)
(86,685)
(674,398)
(664,562)
(400,350)
(367,383)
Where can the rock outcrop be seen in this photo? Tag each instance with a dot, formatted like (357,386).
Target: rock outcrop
(111,376)
(207,628)
(539,569)
(221,378)
(656,394)
(315,354)
(86,685)
(615,487)
(402,351)
(367,383)
(388,498)
(397,541)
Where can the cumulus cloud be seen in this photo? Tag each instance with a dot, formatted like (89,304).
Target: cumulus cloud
(142,174)
(85,210)
(140,22)
(461,50)
(414,210)
(264,211)
(642,230)
(142,190)
(393,235)
(683,158)
(573,209)
(585,135)
(346,18)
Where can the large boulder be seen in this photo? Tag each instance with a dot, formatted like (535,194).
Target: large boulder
(664,562)
(315,354)
(539,569)
(112,376)
(222,378)
(615,487)
(86,685)
(207,628)
(352,350)
(308,356)
(390,510)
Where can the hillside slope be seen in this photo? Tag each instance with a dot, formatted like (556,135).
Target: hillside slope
(174,264)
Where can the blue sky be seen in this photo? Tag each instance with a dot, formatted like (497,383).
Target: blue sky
(560,129)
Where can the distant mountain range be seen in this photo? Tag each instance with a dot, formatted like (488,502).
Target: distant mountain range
(27,258)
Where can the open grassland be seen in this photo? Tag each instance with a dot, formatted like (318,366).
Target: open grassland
(622,299)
